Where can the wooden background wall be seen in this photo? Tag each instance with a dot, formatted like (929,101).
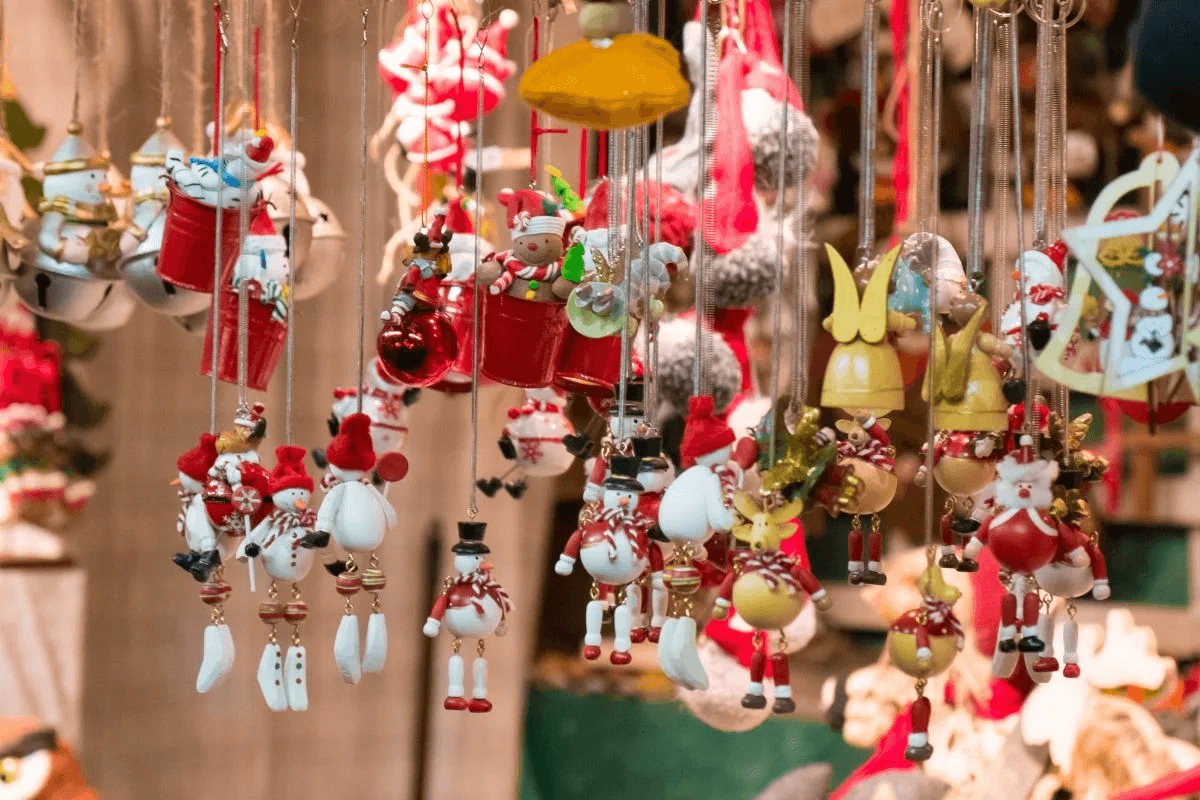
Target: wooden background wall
(147,734)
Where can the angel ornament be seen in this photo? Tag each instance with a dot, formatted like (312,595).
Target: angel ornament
(279,541)
(767,588)
(866,451)
(472,605)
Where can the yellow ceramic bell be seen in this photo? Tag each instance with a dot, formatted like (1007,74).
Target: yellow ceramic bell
(923,641)
(968,391)
(864,369)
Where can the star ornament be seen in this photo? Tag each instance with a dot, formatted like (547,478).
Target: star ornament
(1123,371)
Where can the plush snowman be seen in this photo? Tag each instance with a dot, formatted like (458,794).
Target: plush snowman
(279,541)
(385,401)
(471,606)
(357,516)
(78,219)
(203,540)
(1153,338)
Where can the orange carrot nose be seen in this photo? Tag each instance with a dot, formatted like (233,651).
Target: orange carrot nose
(300,504)
(624,501)
(175,482)
(1016,274)
(486,566)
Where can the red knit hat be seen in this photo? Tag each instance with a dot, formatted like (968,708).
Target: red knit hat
(703,433)
(196,463)
(527,214)
(351,449)
(290,473)
(457,218)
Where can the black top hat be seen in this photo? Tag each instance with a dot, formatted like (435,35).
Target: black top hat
(635,395)
(647,446)
(623,474)
(470,535)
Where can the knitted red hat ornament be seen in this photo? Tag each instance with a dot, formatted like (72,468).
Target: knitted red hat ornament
(290,472)
(528,213)
(196,463)
(351,449)
(703,432)
(457,218)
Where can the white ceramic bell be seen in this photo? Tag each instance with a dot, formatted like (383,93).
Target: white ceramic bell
(326,254)
(277,193)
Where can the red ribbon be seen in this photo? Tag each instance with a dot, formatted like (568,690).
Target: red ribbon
(1044,293)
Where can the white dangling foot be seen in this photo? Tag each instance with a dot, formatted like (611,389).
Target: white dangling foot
(683,653)
(593,620)
(218,657)
(345,649)
(1004,663)
(658,606)
(622,624)
(665,662)
(295,677)
(455,688)
(375,652)
(1071,648)
(270,677)
(479,702)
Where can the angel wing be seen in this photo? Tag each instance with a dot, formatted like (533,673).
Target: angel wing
(874,308)
(846,312)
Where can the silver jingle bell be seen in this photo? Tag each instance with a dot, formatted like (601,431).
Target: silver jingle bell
(278,197)
(161,296)
(57,289)
(114,311)
(327,252)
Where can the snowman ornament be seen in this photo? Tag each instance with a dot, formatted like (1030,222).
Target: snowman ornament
(533,441)
(279,542)
(203,541)
(385,400)
(615,551)
(1152,339)
(357,516)
(624,422)
(471,606)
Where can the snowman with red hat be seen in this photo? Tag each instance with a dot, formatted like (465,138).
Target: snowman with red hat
(615,551)
(698,502)
(1024,538)
(279,541)
(385,400)
(535,259)
(472,605)
(357,516)
(203,540)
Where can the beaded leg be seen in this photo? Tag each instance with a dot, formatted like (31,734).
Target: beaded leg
(948,550)
(622,625)
(345,642)
(479,703)
(375,651)
(218,641)
(1030,642)
(1046,664)
(295,668)
(593,620)
(455,689)
(754,697)
(1071,643)
(270,666)
(919,748)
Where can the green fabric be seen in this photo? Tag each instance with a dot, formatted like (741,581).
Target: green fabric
(580,747)
(1147,563)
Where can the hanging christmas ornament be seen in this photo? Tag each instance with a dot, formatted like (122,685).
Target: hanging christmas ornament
(864,369)
(698,502)
(1045,281)
(808,466)
(922,643)
(326,255)
(385,401)
(417,344)
(615,550)
(533,441)
(456,293)
(626,420)
(472,605)
(262,272)
(357,516)
(612,78)
(865,451)
(655,474)
(280,541)
(236,494)
(204,551)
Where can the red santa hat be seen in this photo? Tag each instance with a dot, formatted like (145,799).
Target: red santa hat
(290,473)
(703,433)
(1057,253)
(259,150)
(528,215)
(1021,466)
(457,218)
(351,449)
(196,463)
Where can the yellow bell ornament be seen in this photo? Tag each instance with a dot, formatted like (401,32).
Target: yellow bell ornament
(968,390)
(612,78)
(864,369)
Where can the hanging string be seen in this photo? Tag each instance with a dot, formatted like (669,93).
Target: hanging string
(257,106)
(472,496)
(998,287)
(708,75)
(362,199)
(651,351)
(798,68)
(103,75)
(981,80)
(1062,395)
(291,272)
(77,44)
(198,26)
(869,118)
(1010,31)
(780,190)
(220,47)
(3,71)
(250,88)
(581,190)
(426,190)
(164,41)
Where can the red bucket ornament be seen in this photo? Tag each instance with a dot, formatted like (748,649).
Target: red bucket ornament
(456,298)
(521,340)
(189,242)
(263,267)
(588,366)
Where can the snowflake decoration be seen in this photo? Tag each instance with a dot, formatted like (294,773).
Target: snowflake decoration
(390,408)
(531,451)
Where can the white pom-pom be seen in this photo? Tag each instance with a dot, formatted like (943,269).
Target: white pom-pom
(508,19)
(676,360)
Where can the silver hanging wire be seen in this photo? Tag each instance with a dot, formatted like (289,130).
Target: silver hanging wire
(243,291)
(1044,9)
(291,272)
(981,80)
(77,45)
(362,209)
(270,29)
(103,85)
(868,122)
(704,252)
(617,248)
(164,44)
(780,220)
(804,288)
(651,365)
(631,150)
(472,490)
(998,287)
(218,149)
(642,25)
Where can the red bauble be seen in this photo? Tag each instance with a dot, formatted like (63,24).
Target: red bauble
(420,349)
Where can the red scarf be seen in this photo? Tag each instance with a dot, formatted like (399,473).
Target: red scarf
(1044,293)
(618,520)
(873,452)
(481,585)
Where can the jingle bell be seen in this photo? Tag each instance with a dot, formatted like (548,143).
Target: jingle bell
(114,311)
(903,647)
(326,253)
(57,289)
(157,293)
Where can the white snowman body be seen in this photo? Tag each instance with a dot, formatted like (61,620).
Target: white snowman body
(462,256)
(384,404)
(1153,337)
(1064,580)
(149,183)
(538,436)
(693,505)
(478,618)
(80,186)
(355,513)
(615,559)
(279,537)
(265,262)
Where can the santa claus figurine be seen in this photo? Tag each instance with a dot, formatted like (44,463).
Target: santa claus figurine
(1043,304)
(535,259)
(36,765)
(193,524)
(1024,538)
(615,551)
(471,605)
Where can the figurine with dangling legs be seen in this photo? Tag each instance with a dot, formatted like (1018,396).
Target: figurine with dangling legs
(203,553)
(1069,580)
(236,494)
(767,588)
(471,605)
(655,474)
(922,643)
(357,516)
(277,541)
(614,549)
(533,441)
(965,466)
(867,449)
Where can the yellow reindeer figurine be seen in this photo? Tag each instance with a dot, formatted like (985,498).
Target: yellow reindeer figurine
(864,369)
(968,390)
(767,587)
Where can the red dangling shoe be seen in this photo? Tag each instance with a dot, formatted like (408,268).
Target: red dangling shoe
(1046,664)
(591,652)
(1070,670)
(637,635)
(654,634)
(620,659)
(480,706)
(455,704)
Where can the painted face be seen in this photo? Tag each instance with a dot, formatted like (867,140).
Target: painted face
(467,563)
(292,499)
(538,248)
(620,498)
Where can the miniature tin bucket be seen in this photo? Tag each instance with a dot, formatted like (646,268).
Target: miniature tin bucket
(521,340)
(588,366)
(188,244)
(264,342)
